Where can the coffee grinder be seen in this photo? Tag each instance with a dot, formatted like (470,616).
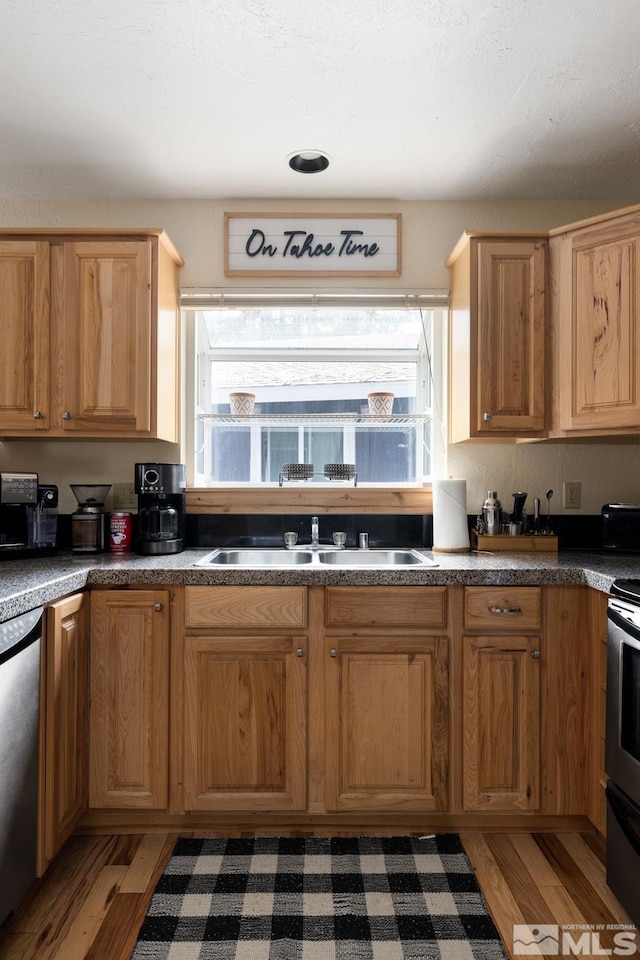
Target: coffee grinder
(161,507)
(90,522)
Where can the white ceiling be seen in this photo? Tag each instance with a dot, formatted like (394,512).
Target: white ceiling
(426,99)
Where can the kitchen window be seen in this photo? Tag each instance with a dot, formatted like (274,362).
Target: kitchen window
(311,366)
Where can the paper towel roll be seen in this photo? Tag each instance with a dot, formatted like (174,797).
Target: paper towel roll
(450,529)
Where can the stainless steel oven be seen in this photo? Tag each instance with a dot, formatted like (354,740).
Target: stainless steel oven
(622,754)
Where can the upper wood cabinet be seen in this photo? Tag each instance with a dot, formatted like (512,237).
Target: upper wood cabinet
(26,335)
(595,301)
(497,336)
(91,332)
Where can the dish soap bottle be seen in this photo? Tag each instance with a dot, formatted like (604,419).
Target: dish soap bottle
(492,513)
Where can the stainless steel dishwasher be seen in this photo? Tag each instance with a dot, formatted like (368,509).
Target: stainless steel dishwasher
(19,715)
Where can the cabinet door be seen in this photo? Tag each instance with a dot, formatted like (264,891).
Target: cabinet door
(245,723)
(501,723)
(24,321)
(510,386)
(63,794)
(129,711)
(107,337)
(605,340)
(386,730)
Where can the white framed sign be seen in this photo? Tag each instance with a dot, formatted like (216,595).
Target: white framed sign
(312,245)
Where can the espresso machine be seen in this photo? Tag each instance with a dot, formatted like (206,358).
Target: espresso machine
(161,508)
(28,516)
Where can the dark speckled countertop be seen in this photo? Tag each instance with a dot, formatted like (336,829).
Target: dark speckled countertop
(30,583)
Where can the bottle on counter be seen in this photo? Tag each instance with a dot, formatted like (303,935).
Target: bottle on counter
(492,514)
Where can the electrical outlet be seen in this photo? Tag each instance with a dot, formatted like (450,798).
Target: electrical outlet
(571,494)
(124,496)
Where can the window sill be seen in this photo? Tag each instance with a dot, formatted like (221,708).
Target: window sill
(298,498)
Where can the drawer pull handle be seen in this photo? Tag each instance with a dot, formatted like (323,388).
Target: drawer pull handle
(299,652)
(535,654)
(505,610)
(158,607)
(333,652)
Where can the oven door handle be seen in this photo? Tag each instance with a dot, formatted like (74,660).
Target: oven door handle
(618,808)
(625,625)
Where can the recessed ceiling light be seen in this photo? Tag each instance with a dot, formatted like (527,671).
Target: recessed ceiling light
(308,161)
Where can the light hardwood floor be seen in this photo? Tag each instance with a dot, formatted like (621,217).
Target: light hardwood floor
(92,901)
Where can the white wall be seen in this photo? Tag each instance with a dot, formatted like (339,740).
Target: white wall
(429,231)
(608,473)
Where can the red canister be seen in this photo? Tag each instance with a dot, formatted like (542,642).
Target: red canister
(120,533)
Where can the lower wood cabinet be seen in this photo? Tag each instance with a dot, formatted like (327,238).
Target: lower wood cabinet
(63,718)
(501,723)
(337,700)
(596,715)
(386,723)
(129,707)
(245,723)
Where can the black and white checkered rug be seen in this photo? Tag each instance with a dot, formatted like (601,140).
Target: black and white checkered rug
(363,898)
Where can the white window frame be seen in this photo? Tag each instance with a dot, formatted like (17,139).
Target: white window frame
(432,367)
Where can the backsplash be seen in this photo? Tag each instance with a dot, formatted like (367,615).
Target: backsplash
(216,530)
(574,532)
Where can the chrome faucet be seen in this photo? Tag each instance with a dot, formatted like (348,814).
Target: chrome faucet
(314,532)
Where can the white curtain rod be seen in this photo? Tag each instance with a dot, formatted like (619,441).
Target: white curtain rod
(215,299)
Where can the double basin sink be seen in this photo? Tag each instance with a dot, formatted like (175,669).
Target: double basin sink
(247,557)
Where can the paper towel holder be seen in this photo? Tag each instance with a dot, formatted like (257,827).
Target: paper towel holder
(458,538)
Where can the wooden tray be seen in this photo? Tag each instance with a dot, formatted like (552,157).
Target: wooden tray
(532,544)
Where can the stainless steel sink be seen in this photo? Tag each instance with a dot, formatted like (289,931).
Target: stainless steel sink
(374,558)
(255,558)
(225,556)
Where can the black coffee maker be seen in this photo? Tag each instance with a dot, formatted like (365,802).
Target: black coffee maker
(161,511)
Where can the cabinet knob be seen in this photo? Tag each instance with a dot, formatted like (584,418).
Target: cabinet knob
(535,654)
(158,607)
(66,415)
(299,652)
(37,415)
(333,652)
(486,416)
(502,610)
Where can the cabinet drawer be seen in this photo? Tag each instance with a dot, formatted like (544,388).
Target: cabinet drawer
(213,607)
(386,606)
(511,608)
